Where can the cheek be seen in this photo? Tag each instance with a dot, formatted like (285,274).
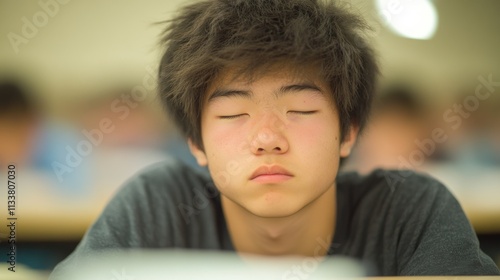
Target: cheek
(317,157)
(319,154)
(223,145)
(228,157)
(319,140)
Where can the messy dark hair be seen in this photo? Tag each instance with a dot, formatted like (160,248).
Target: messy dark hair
(211,35)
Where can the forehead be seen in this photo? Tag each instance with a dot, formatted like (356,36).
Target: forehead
(241,77)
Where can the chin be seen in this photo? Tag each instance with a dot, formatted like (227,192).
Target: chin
(274,210)
(273,214)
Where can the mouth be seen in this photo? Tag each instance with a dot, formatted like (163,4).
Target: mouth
(270,174)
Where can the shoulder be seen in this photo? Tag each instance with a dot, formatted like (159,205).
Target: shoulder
(156,202)
(399,187)
(170,170)
(407,223)
(169,180)
(404,200)
(396,205)
(395,197)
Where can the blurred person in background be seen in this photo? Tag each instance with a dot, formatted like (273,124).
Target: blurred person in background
(18,119)
(399,118)
(475,134)
(124,133)
(133,124)
(34,142)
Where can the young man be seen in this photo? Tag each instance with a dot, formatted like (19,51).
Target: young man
(271,94)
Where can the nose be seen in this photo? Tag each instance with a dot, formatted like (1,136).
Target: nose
(268,137)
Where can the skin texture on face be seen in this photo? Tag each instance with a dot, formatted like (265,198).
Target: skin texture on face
(279,119)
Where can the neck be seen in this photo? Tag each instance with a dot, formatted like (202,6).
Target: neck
(308,232)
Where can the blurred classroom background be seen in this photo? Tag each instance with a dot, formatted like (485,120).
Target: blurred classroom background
(79,114)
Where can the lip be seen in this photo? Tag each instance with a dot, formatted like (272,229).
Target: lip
(270,174)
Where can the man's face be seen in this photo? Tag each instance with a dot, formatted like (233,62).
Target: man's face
(272,144)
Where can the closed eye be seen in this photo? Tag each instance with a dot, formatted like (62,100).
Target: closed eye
(231,116)
(303,112)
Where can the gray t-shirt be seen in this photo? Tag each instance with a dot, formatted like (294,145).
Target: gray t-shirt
(402,223)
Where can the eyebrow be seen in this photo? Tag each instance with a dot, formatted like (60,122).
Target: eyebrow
(229,93)
(297,88)
(294,88)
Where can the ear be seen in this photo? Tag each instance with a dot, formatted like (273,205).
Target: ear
(198,154)
(349,141)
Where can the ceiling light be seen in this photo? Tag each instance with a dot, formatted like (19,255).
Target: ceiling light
(415,19)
